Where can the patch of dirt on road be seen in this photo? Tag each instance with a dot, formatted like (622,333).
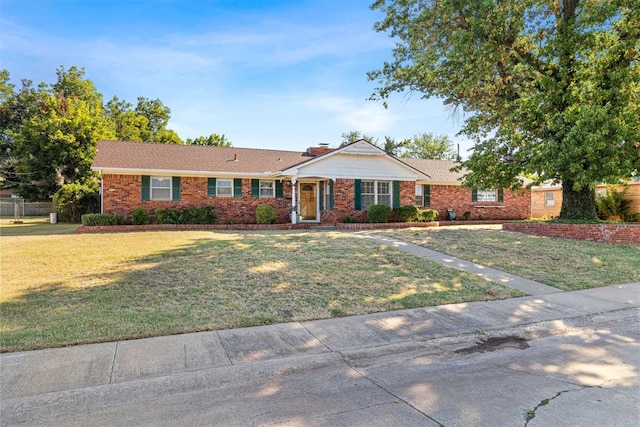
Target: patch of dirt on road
(495,343)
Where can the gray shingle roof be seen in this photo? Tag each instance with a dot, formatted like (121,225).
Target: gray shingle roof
(139,156)
(438,170)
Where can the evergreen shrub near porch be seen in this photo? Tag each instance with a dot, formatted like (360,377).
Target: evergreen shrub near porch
(265,214)
(378,213)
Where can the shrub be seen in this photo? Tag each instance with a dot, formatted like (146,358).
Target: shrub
(265,214)
(76,199)
(408,213)
(92,220)
(201,215)
(140,216)
(613,205)
(378,213)
(167,216)
(348,219)
(428,215)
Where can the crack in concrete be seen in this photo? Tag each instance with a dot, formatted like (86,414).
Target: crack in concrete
(531,414)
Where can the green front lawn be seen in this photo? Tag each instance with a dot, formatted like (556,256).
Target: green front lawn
(61,289)
(563,263)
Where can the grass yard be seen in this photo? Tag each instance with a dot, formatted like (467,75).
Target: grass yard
(565,264)
(60,289)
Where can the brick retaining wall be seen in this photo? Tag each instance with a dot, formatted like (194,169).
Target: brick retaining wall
(299,226)
(604,233)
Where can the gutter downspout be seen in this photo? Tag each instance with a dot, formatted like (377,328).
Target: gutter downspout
(101,192)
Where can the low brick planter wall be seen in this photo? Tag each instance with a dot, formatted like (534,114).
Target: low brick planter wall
(604,233)
(301,226)
(166,227)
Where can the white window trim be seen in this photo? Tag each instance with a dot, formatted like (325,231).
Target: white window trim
(218,187)
(419,197)
(549,201)
(487,196)
(376,195)
(273,188)
(151,187)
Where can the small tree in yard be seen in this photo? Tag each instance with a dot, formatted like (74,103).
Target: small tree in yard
(550,88)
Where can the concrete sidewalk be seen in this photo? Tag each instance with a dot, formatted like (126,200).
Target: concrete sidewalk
(31,373)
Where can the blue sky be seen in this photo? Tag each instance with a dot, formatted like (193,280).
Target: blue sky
(279,74)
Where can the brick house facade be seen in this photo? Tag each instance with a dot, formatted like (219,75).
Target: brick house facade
(318,185)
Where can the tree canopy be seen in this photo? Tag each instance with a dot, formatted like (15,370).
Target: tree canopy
(49,133)
(212,140)
(550,88)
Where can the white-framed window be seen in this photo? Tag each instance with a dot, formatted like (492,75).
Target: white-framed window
(224,187)
(375,193)
(548,198)
(160,188)
(487,196)
(419,197)
(267,188)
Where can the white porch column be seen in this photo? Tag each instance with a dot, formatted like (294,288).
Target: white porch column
(294,213)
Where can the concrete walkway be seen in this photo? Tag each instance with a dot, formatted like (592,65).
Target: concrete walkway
(33,381)
(527,286)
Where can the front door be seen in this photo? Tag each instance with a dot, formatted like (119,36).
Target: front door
(308,203)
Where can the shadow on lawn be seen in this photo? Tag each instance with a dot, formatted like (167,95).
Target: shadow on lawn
(212,284)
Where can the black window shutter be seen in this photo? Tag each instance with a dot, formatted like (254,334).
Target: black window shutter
(396,194)
(330,195)
(474,195)
(175,183)
(322,192)
(279,189)
(211,187)
(501,195)
(426,193)
(358,195)
(255,188)
(146,187)
(237,187)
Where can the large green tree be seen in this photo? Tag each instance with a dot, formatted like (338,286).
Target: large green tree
(214,140)
(56,138)
(429,146)
(549,88)
(157,115)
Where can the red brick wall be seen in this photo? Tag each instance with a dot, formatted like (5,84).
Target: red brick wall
(515,205)
(344,200)
(123,194)
(605,233)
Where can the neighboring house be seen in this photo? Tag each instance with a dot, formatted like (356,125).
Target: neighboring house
(320,185)
(546,200)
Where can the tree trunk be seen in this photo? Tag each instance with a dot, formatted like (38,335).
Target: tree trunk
(578,204)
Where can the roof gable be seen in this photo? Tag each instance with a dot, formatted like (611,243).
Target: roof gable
(360,159)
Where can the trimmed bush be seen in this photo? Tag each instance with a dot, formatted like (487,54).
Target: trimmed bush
(265,214)
(167,216)
(428,215)
(201,215)
(93,220)
(408,213)
(348,219)
(76,199)
(140,216)
(378,213)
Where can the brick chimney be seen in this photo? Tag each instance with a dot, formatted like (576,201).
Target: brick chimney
(320,150)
